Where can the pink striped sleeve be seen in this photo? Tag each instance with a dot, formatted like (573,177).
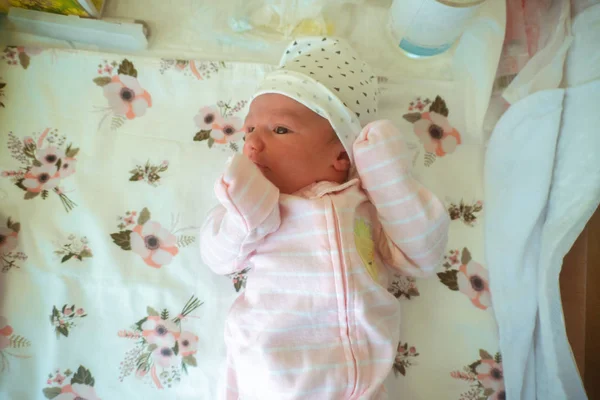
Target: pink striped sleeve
(414,221)
(249,211)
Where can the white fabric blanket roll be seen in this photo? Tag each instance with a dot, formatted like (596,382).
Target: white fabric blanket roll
(542,184)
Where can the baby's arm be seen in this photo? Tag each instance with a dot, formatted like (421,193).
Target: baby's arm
(414,221)
(249,211)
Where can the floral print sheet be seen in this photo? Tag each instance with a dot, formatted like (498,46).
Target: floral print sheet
(107,166)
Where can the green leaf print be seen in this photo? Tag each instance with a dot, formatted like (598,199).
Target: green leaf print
(127,68)
(31,195)
(102,80)
(412,117)
(136,177)
(485,355)
(202,135)
(190,360)
(71,152)
(85,254)
(83,376)
(52,392)
(152,312)
(164,314)
(24,60)
(139,324)
(18,342)
(466,256)
(13,226)
(62,330)
(67,258)
(122,239)
(449,278)
(144,216)
(19,184)
(439,106)
(473,367)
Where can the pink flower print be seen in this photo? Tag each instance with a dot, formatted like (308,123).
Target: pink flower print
(490,374)
(68,312)
(8,240)
(59,379)
(436,134)
(28,141)
(49,156)
(159,331)
(188,344)
(154,244)
(473,282)
(208,118)
(165,357)
(80,311)
(41,178)
(126,97)
(67,168)
(77,391)
(5,332)
(412,350)
(229,131)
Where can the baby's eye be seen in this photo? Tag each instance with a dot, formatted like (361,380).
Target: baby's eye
(250,129)
(280,130)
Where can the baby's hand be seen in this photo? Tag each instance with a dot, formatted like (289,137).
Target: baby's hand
(238,168)
(380,146)
(245,187)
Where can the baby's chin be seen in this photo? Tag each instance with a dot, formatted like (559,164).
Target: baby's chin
(285,185)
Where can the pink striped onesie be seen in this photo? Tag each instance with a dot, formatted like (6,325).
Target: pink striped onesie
(316,320)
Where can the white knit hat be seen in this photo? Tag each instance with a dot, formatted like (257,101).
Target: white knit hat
(327,76)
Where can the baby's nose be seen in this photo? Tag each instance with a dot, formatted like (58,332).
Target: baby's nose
(253,143)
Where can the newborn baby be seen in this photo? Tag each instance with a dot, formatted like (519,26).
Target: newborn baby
(321,209)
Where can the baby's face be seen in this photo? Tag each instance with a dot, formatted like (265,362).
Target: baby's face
(292,145)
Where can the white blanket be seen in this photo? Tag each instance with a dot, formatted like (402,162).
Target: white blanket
(81,306)
(542,184)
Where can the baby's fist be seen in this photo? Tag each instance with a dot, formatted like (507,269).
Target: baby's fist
(380,140)
(244,187)
(238,168)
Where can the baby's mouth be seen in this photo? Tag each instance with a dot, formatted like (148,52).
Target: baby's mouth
(261,166)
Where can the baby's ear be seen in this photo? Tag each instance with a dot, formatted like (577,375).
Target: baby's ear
(342,162)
